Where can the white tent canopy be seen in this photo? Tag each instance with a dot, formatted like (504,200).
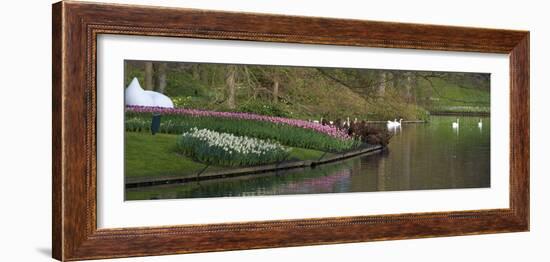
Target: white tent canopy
(136,96)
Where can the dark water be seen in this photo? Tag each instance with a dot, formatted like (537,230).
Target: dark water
(420,156)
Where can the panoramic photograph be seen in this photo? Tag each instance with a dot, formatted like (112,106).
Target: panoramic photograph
(202,130)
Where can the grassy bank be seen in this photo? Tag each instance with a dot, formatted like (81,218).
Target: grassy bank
(450,98)
(156,156)
(461,110)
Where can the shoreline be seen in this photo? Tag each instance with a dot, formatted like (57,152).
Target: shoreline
(404,122)
(248,171)
(449,113)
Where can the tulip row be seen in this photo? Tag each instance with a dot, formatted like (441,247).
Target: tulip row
(325,129)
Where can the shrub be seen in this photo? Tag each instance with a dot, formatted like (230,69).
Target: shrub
(371,134)
(266,109)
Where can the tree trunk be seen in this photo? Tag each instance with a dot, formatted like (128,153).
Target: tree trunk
(196,72)
(408,88)
(382,84)
(396,79)
(231,88)
(148,85)
(276,91)
(127,80)
(161,77)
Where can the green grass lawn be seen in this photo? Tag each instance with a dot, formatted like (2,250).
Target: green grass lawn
(450,97)
(155,156)
(146,155)
(305,154)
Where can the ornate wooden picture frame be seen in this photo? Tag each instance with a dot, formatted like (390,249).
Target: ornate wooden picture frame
(76,26)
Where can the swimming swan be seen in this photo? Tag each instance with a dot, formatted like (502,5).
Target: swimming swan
(456,124)
(394,123)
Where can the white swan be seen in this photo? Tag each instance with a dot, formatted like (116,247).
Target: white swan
(346,123)
(456,124)
(134,95)
(398,124)
(480,124)
(394,123)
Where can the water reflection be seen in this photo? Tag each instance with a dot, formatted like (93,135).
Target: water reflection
(420,156)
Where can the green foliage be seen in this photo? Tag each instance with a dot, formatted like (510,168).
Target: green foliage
(390,110)
(183,85)
(182,101)
(422,114)
(131,72)
(193,102)
(331,93)
(266,109)
(284,134)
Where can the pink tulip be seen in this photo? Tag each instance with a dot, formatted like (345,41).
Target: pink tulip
(329,130)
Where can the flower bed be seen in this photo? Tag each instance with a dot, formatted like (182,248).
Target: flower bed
(328,130)
(225,149)
(284,134)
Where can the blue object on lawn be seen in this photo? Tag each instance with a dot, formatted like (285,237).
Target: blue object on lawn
(155,124)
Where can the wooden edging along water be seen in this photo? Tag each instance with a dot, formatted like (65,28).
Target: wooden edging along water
(136,183)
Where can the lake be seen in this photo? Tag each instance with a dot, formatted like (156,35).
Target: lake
(425,156)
